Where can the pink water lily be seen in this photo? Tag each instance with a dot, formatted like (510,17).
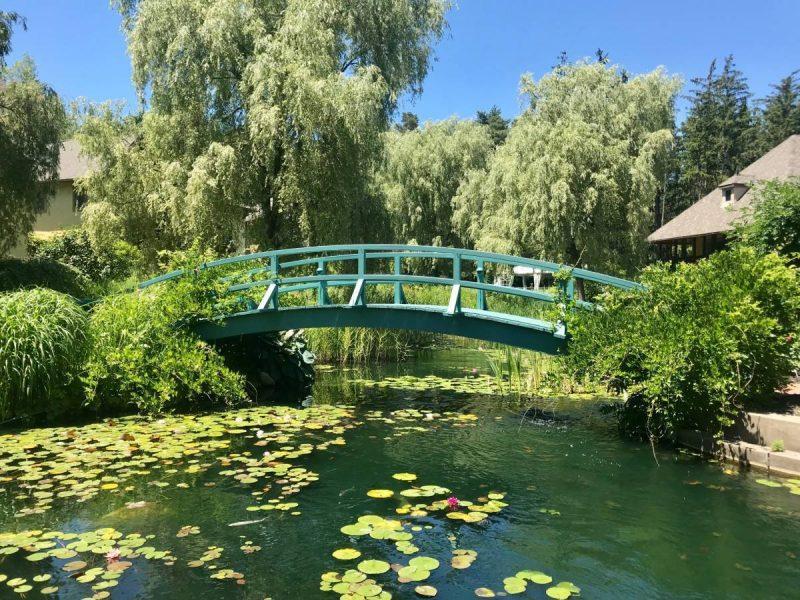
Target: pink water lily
(112,555)
(453,502)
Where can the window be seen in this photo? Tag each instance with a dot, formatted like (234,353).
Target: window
(79,200)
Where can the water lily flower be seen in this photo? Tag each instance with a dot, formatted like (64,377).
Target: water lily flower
(112,555)
(453,502)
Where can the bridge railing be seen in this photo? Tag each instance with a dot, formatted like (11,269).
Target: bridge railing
(281,272)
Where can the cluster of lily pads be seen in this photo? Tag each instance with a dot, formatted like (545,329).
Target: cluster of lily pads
(96,558)
(62,464)
(793,485)
(401,420)
(363,581)
(430,385)
(519,584)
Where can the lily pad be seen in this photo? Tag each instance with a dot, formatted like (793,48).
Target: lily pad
(514,585)
(535,577)
(410,573)
(558,593)
(483,592)
(373,567)
(407,477)
(380,493)
(428,591)
(346,553)
(424,563)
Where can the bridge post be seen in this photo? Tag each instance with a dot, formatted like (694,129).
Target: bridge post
(455,295)
(275,267)
(399,296)
(568,291)
(481,277)
(322,288)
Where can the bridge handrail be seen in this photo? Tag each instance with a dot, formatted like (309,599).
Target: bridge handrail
(382,251)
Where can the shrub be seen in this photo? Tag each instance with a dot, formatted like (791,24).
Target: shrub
(146,356)
(42,349)
(17,274)
(772,223)
(73,247)
(698,345)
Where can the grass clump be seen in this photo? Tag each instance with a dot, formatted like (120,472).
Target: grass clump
(43,337)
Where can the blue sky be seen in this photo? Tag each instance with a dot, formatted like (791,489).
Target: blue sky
(80,51)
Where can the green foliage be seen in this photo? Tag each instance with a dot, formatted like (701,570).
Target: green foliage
(263,122)
(422,172)
(772,222)
(496,124)
(716,140)
(73,247)
(780,116)
(577,176)
(16,274)
(32,122)
(698,345)
(777,446)
(42,347)
(146,357)
(271,361)
(408,122)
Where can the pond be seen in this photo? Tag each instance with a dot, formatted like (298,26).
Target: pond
(416,476)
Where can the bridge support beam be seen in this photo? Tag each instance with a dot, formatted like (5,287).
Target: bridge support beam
(357,299)
(270,299)
(386,316)
(454,307)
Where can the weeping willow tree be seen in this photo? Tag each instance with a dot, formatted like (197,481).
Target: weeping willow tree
(421,173)
(263,119)
(576,179)
(32,123)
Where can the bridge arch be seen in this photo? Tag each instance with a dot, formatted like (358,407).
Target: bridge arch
(269,280)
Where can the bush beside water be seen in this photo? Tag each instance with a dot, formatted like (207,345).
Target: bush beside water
(42,350)
(701,343)
(145,356)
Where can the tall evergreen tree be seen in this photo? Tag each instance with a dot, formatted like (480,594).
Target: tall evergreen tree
(781,115)
(498,126)
(715,137)
(408,122)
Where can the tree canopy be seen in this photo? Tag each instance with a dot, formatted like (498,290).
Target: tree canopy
(32,121)
(577,177)
(263,118)
(772,222)
(493,119)
(421,174)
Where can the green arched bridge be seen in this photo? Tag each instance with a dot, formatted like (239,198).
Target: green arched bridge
(284,280)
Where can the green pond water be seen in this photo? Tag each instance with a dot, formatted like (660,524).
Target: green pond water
(191,507)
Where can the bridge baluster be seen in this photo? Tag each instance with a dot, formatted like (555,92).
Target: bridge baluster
(481,276)
(275,267)
(399,296)
(455,295)
(322,289)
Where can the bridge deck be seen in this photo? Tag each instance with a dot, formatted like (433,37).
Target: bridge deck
(524,332)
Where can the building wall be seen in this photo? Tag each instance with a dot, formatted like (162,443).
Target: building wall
(59,215)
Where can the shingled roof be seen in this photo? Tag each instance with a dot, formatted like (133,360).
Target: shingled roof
(72,164)
(712,214)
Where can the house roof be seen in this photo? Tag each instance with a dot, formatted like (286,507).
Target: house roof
(72,164)
(711,214)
